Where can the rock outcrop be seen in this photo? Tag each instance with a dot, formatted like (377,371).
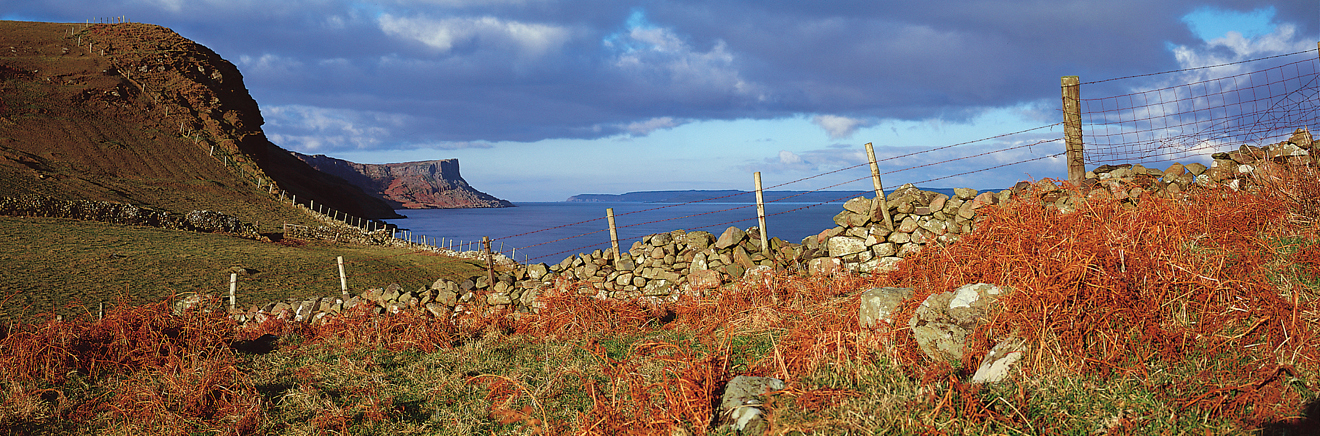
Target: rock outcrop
(431,184)
(136,113)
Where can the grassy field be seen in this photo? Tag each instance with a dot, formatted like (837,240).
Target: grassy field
(1160,319)
(64,265)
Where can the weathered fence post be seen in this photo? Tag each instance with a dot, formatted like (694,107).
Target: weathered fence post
(760,215)
(1072,127)
(490,266)
(614,234)
(233,287)
(343,280)
(880,201)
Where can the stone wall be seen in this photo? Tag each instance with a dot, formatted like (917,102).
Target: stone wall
(121,213)
(663,266)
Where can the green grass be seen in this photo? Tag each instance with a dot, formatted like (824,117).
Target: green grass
(53,263)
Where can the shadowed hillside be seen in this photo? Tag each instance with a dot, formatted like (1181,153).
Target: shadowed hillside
(136,113)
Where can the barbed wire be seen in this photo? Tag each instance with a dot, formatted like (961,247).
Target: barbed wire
(1201,68)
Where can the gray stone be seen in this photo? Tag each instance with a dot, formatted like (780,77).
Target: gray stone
(699,262)
(741,403)
(498,299)
(884,249)
(840,246)
(824,266)
(997,363)
(705,279)
(965,193)
(537,271)
(900,237)
(941,324)
(446,297)
(859,205)
(741,258)
(437,310)
(731,236)
(699,240)
(879,304)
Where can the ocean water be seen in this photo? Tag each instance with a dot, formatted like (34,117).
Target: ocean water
(549,232)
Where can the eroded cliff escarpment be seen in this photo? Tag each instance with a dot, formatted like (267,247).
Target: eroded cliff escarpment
(135,113)
(432,184)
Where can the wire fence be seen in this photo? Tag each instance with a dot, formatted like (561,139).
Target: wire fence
(1188,120)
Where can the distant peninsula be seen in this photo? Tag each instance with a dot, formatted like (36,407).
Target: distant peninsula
(432,184)
(729,196)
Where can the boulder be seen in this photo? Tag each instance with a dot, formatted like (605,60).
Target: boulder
(879,304)
(942,322)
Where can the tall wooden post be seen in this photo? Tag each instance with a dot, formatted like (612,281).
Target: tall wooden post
(760,214)
(343,280)
(880,201)
(614,233)
(490,266)
(1072,127)
(233,287)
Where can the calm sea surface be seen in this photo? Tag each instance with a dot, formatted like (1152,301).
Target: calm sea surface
(550,232)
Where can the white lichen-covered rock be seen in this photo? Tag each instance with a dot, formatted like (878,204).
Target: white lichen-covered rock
(941,324)
(879,304)
(741,405)
(999,361)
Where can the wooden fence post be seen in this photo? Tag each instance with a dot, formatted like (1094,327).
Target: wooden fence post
(614,234)
(343,281)
(760,215)
(490,267)
(1072,127)
(233,286)
(880,201)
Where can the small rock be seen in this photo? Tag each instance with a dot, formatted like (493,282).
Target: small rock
(742,400)
(997,363)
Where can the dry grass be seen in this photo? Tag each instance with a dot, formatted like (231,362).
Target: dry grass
(1160,319)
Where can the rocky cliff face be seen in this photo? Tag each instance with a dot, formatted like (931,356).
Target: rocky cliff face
(136,113)
(432,184)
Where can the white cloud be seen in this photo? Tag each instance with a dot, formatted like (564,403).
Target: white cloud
(649,52)
(268,64)
(789,158)
(839,127)
(529,39)
(642,128)
(310,128)
(1233,47)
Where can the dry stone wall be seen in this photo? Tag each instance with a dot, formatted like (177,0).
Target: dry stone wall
(121,213)
(663,266)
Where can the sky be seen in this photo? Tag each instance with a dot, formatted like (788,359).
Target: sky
(543,99)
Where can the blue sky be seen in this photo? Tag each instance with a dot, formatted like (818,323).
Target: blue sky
(543,99)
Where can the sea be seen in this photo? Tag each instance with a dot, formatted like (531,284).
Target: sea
(548,232)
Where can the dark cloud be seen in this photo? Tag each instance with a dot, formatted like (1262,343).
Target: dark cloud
(404,74)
